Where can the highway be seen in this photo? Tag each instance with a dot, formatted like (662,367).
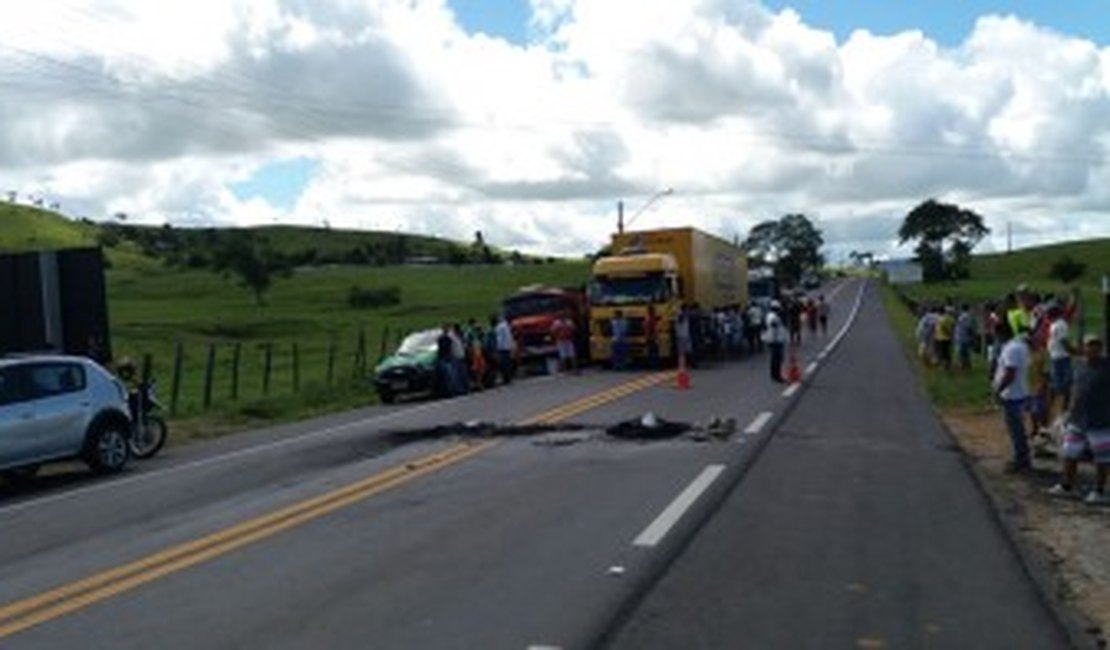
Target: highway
(376,529)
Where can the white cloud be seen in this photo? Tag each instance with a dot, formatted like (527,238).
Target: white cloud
(154,109)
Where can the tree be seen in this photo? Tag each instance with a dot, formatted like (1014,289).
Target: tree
(254,264)
(945,235)
(792,245)
(1067,270)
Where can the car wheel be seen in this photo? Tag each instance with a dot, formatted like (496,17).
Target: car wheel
(106,449)
(387,396)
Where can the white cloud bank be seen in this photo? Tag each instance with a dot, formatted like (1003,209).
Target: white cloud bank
(156,109)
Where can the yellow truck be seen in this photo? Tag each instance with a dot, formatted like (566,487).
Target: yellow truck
(664,270)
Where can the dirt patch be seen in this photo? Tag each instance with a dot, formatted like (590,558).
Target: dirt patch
(1073,535)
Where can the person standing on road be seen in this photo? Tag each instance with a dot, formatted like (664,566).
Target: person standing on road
(926,333)
(754,327)
(619,327)
(651,337)
(775,335)
(1087,428)
(823,314)
(506,349)
(562,330)
(1011,391)
(684,343)
(793,320)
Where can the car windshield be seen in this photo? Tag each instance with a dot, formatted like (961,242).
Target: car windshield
(419,342)
(626,291)
(531,306)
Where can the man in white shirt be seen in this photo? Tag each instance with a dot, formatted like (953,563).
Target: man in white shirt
(775,337)
(506,350)
(1059,352)
(1011,390)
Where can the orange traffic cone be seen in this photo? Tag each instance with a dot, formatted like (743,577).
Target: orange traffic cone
(682,378)
(793,372)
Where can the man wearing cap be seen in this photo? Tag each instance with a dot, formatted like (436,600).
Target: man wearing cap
(1087,430)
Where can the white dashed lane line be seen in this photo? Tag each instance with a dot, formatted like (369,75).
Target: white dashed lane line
(789,392)
(758,423)
(658,529)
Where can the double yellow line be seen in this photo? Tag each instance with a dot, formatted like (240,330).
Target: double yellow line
(29,612)
(571,409)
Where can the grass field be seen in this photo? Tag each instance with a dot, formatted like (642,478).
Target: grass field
(154,307)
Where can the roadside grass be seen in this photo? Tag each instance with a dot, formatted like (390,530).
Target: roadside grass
(955,390)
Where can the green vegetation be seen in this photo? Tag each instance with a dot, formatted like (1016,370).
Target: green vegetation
(992,277)
(955,389)
(23,228)
(153,306)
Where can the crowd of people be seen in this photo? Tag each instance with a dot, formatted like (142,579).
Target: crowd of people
(474,356)
(1051,391)
(726,333)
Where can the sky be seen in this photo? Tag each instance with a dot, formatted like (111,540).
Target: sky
(529,120)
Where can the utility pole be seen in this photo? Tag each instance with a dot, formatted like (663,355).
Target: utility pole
(1009,237)
(620,217)
(1105,312)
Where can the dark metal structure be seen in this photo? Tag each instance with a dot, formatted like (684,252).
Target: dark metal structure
(54,301)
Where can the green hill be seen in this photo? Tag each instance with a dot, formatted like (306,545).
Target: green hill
(24,228)
(996,274)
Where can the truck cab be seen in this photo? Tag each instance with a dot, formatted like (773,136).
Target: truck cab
(531,312)
(630,283)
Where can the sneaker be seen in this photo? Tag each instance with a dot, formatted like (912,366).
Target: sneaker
(1060,490)
(1096,498)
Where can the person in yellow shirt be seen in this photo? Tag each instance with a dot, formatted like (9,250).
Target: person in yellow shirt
(946,328)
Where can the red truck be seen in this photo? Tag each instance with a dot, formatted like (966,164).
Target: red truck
(532,310)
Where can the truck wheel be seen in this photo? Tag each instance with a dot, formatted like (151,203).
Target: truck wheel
(106,448)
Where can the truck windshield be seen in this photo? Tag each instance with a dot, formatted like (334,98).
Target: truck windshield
(627,291)
(532,306)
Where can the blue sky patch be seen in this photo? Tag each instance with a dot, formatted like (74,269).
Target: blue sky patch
(507,19)
(278,183)
(948,21)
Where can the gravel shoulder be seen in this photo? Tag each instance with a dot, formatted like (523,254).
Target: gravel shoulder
(1069,535)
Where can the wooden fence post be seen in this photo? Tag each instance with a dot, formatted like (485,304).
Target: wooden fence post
(296,369)
(331,360)
(385,343)
(175,388)
(359,365)
(144,374)
(235,354)
(267,365)
(209,370)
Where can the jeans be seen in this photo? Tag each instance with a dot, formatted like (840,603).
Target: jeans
(777,350)
(1012,411)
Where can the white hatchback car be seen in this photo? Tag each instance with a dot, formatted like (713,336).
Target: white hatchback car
(59,408)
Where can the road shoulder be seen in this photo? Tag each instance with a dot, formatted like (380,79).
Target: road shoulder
(1062,542)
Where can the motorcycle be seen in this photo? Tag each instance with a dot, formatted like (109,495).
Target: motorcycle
(148,429)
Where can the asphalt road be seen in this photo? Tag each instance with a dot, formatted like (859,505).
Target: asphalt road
(859,527)
(342,532)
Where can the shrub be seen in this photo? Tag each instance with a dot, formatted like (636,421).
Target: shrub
(359,298)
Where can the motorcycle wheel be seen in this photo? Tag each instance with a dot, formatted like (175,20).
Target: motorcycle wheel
(148,437)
